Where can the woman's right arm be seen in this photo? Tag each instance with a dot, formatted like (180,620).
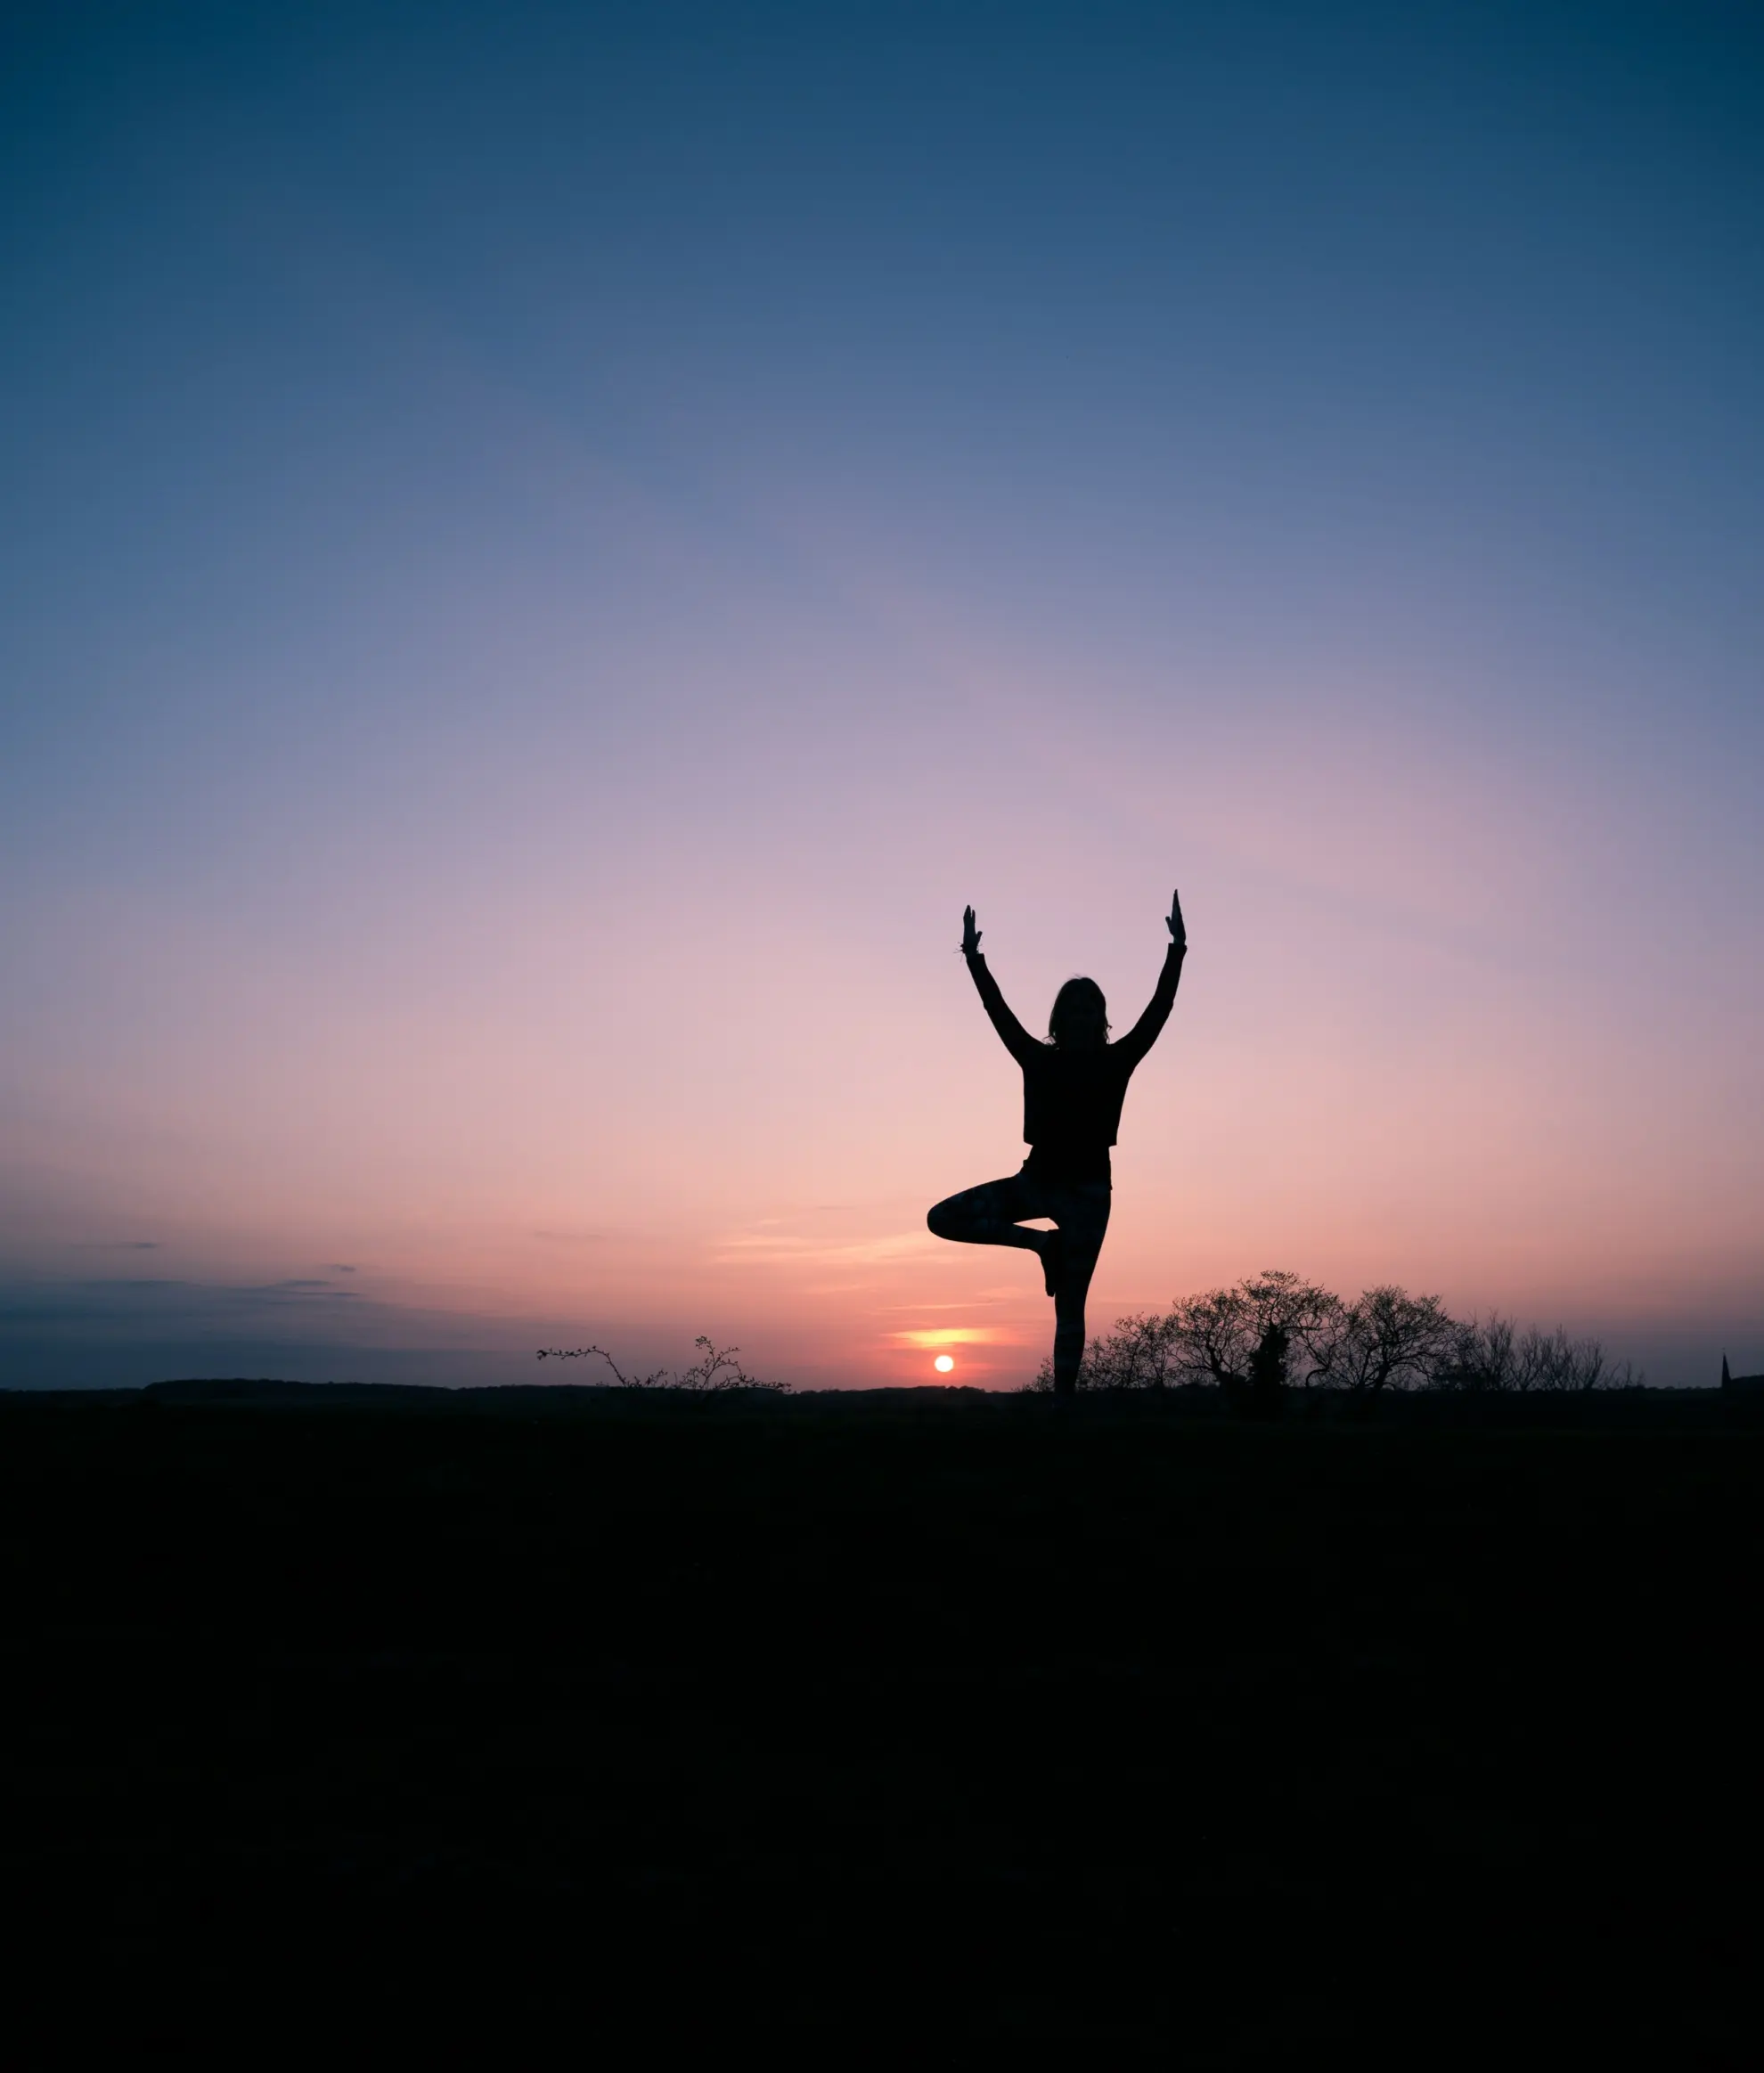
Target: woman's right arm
(1016,1040)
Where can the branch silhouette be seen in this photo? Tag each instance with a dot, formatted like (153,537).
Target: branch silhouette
(717,1371)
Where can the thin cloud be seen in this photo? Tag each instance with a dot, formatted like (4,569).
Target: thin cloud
(919,1309)
(745,1247)
(936,1338)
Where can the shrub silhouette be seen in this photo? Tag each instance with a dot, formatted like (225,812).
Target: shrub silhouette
(1268,1371)
(717,1372)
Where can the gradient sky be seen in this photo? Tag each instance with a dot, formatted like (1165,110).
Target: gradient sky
(547,551)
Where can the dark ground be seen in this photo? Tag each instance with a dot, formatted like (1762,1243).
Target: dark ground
(934,1732)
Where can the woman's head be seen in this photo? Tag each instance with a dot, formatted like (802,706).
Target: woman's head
(1080,1017)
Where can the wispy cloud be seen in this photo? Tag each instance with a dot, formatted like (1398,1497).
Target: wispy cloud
(767,1247)
(969,1303)
(936,1337)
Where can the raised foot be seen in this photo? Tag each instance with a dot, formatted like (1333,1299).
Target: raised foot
(1053,1252)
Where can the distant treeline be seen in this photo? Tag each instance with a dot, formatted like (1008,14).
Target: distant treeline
(1275,1331)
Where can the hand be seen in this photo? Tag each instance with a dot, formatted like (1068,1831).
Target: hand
(970,936)
(1179,934)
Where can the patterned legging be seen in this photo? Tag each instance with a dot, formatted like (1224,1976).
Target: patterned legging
(992,1214)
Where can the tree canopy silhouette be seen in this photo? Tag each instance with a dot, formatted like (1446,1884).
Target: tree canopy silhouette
(1274,1329)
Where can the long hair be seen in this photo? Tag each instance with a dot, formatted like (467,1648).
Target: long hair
(1068,997)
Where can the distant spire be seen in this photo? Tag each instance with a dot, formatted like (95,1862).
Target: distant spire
(1726,1379)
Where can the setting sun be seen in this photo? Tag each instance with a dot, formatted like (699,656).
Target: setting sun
(944,1364)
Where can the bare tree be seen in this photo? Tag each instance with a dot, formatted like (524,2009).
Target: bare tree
(1556,1362)
(1215,1335)
(1390,1338)
(1485,1359)
(1219,1332)
(1496,1357)
(1310,1317)
(1140,1353)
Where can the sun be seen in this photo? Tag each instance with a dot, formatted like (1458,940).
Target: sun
(944,1364)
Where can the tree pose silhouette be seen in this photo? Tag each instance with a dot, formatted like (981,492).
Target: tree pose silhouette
(1073,1087)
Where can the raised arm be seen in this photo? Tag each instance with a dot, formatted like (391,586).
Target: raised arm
(1016,1040)
(1144,1033)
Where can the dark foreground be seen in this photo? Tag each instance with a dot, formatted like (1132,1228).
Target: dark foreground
(939,1734)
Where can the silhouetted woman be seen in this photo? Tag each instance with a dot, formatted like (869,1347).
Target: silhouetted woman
(1073,1089)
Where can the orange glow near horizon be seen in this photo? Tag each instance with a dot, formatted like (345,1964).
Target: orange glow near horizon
(944,1335)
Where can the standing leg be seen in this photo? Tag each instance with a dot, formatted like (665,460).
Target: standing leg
(1082,1214)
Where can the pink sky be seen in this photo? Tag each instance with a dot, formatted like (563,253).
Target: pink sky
(1437,1026)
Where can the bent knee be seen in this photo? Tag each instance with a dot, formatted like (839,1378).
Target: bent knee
(939,1221)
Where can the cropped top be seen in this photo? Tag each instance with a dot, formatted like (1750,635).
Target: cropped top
(1072,1099)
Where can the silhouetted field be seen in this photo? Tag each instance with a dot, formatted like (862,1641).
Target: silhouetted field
(896,1729)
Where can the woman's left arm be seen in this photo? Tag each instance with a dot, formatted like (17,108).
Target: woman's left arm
(1144,1033)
